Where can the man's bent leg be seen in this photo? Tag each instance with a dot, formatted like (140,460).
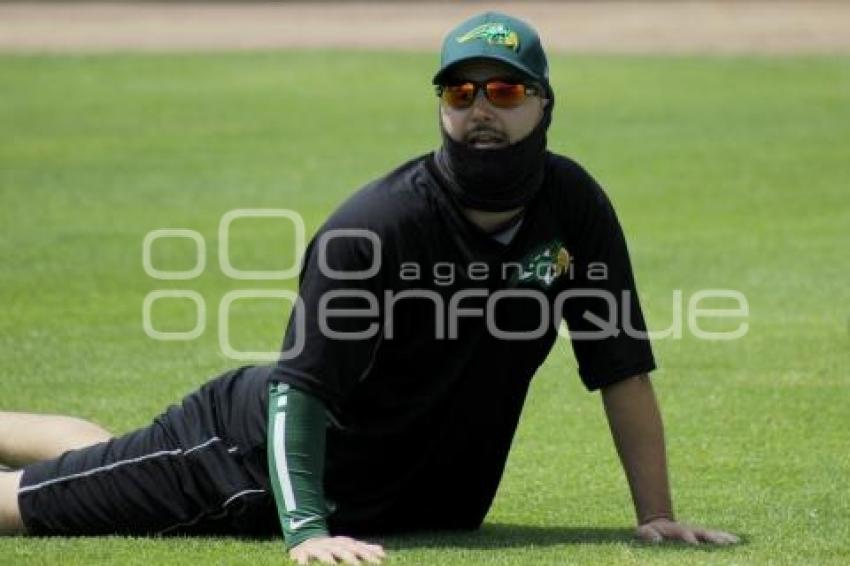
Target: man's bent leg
(26,438)
(182,473)
(188,471)
(10,515)
(135,484)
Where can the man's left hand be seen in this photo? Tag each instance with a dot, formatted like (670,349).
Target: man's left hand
(659,530)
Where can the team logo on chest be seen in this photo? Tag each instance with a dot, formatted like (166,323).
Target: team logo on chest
(544,265)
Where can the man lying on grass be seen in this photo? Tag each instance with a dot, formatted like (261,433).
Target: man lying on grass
(399,388)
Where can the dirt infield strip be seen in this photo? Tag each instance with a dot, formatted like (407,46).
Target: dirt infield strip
(597,27)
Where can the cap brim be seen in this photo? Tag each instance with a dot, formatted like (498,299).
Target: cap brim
(507,61)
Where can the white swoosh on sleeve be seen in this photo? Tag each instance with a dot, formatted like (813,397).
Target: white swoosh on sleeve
(295,524)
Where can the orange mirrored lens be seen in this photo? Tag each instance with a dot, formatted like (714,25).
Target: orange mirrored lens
(459,96)
(505,95)
(500,94)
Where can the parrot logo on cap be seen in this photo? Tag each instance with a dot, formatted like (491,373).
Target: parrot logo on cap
(494,34)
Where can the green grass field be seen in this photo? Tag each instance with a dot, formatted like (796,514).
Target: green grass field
(726,173)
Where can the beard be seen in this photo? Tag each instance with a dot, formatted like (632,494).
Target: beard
(493,176)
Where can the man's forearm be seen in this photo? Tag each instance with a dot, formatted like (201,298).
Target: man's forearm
(638,433)
(296,453)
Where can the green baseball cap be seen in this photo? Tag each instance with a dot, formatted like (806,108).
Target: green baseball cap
(497,36)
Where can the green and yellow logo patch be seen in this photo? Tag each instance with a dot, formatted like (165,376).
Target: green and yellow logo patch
(493,34)
(544,265)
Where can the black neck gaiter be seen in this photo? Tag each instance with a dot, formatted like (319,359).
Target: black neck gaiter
(499,179)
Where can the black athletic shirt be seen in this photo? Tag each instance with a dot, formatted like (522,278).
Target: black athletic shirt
(424,395)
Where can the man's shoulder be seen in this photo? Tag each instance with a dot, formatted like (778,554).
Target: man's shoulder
(387,201)
(569,181)
(567,169)
(577,199)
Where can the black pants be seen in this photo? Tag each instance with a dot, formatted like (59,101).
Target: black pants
(202,468)
(199,468)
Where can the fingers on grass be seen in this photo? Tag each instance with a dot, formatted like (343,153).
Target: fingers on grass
(324,556)
(371,552)
(353,552)
(364,551)
(720,537)
(347,556)
(649,534)
(713,537)
(376,548)
(689,536)
(369,555)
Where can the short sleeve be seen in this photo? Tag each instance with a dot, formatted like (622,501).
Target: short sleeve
(334,330)
(601,305)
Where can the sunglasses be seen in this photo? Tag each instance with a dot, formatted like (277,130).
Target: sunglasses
(500,93)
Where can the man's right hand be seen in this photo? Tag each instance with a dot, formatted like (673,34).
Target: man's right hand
(333,550)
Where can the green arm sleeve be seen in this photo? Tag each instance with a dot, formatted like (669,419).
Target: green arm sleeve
(296,455)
